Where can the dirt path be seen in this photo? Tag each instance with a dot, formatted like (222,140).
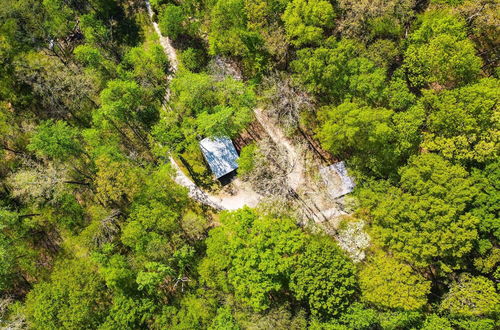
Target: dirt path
(164,41)
(243,194)
(296,175)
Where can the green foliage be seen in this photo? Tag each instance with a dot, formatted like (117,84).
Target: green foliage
(129,313)
(155,216)
(116,272)
(117,181)
(488,201)
(224,320)
(246,160)
(384,26)
(388,283)
(75,297)
(400,320)
(476,324)
(447,2)
(193,313)
(96,234)
(11,243)
(56,140)
(228,30)
(324,278)
(472,296)
(337,71)
(252,255)
(434,321)
(193,59)
(60,17)
(427,219)
(224,121)
(148,67)
(171,21)
(358,316)
(383,52)
(204,107)
(92,57)
(397,93)
(439,53)
(229,35)
(306,21)
(122,101)
(461,122)
(377,139)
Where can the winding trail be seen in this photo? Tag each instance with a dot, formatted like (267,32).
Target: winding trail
(244,195)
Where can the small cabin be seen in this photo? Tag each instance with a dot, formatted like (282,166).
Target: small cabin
(221,156)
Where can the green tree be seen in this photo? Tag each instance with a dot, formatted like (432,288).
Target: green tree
(400,320)
(337,71)
(375,138)
(204,107)
(17,256)
(434,321)
(388,283)
(230,35)
(122,102)
(56,140)
(356,316)
(224,121)
(194,312)
(128,112)
(147,66)
(74,297)
(324,277)
(439,53)
(94,60)
(488,201)
(228,30)
(427,219)
(461,123)
(306,21)
(246,161)
(129,313)
(472,296)
(193,59)
(251,255)
(171,20)
(224,320)
(367,19)
(117,180)
(155,216)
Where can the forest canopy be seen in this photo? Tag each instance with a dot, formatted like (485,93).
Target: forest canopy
(110,217)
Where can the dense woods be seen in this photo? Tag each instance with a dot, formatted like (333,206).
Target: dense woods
(97,233)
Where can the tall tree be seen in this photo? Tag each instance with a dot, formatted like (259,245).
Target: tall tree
(324,278)
(461,123)
(251,255)
(439,54)
(388,283)
(427,220)
(306,21)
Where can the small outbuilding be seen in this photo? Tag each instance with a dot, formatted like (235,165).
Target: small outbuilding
(336,179)
(220,155)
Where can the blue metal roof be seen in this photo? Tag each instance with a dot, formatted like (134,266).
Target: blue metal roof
(220,155)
